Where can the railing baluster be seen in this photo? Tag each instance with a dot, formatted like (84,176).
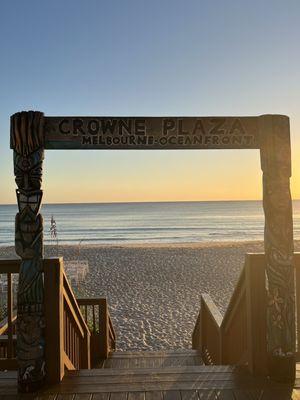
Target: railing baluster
(99,328)
(94,319)
(9,315)
(100,325)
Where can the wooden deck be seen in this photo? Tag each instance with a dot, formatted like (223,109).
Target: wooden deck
(176,375)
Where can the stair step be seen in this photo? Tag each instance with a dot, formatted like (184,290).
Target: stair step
(157,379)
(173,353)
(153,359)
(200,369)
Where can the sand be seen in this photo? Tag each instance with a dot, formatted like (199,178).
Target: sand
(154,290)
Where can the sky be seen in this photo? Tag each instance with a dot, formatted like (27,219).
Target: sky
(149,58)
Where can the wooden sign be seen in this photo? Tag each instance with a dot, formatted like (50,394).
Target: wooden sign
(151,133)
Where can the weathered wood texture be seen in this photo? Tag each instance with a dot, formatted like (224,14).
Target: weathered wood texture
(27,140)
(239,338)
(151,132)
(97,317)
(204,382)
(276,167)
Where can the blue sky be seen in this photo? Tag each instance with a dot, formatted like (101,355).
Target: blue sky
(166,57)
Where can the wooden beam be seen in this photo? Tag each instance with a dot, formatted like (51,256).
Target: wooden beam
(151,133)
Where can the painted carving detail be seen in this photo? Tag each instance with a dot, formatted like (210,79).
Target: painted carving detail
(27,141)
(279,257)
(276,166)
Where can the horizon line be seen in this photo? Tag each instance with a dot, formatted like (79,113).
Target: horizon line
(146,202)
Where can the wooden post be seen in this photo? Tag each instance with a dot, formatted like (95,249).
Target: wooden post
(276,167)
(54,315)
(85,354)
(103,328)
(27,140)
(256,313)
(297,278)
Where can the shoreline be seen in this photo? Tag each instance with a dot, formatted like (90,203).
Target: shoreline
(202,244)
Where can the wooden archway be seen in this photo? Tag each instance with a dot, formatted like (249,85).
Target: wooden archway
(32,133)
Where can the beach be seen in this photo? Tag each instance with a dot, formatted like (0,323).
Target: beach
(154,290)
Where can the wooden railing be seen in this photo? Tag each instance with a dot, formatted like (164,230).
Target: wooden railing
(67,335)
(239,338)
(69,341)
(97,317)
(206,334)
(8,314)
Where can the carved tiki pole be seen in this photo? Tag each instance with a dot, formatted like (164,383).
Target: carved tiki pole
(276,167)
(27,140)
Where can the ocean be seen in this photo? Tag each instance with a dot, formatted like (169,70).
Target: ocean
(160,222)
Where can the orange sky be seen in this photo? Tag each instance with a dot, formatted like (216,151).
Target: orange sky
(147,58)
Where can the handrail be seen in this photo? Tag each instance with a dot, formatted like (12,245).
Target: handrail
(240,336)
(206,335)
(4,325)
(235,299)
(97,317)
(112,331)
(67,335)
(72,304)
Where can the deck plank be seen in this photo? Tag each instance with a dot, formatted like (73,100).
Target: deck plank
(154,359)
(199,369)
(184,382)
(143,354)
(157,395)
(101,396)
(118,396)
(189,395)
(224,395)
(285,394)
(250,394)
(136,396)
(172,395)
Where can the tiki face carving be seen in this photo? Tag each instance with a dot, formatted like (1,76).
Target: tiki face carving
(28,170)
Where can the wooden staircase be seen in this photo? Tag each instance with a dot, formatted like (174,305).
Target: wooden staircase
(163,375)
(228,359)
